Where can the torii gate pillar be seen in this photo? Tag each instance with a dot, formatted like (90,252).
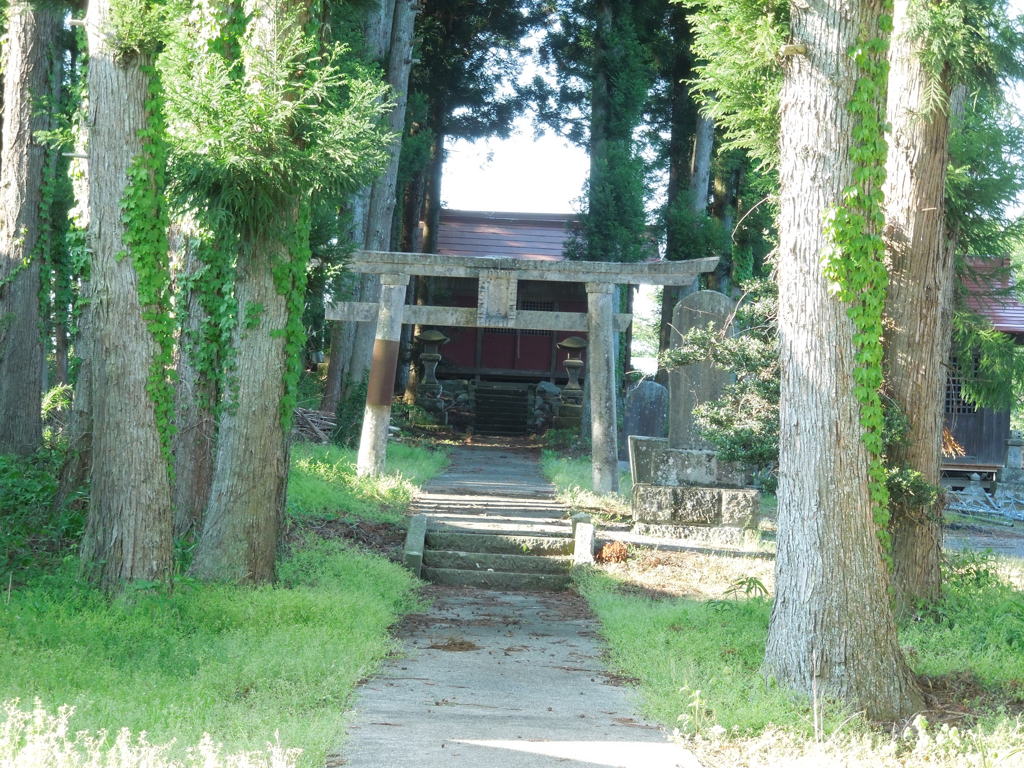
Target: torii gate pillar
(601,377)
(373,440)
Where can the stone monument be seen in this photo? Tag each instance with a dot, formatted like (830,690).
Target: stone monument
(680,488)
(1009,493)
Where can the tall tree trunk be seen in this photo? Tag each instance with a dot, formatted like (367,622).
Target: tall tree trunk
(382,195)
(682,158)
(832,632)
(336,364)
(432,196)
(700,170)
(243,519)
(195,398)
(32,36)
(919,305)
(128,533)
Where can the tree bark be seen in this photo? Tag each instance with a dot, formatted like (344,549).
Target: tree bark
(243,518)
(336,365)
(832,633)
(195,397)
(128,533)
(682,158)
(432,195)
(381,205)
(32,33)
(919,304)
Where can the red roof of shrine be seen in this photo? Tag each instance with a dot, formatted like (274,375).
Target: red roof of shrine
(532,236)
(992,293)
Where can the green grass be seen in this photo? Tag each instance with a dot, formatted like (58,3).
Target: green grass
(681,646)
(251,667)
(238,663)
(698,666)
(573,481)
(322,482)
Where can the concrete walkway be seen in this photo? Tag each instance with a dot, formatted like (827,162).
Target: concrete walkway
(500,679)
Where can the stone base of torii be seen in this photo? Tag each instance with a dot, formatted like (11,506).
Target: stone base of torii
(497,308)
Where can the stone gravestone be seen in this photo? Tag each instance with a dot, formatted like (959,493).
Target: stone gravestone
(689,385)
(646,410)
(645,413)
(680,488)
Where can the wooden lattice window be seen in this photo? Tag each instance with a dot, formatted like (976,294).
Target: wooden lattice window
(955,402)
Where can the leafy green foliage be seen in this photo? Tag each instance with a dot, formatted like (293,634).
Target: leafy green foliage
(238,663)
(739,74)
(252,133)
(138,27)
(33,534)
(976,44)
(743,424)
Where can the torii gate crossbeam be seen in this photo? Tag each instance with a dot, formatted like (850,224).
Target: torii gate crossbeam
(496,308)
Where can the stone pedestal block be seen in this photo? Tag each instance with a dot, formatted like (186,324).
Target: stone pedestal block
(695,505)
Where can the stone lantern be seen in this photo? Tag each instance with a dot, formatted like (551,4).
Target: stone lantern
(574,347)
(431,340)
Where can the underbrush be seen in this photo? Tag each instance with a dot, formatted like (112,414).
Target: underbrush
(698,665)
(322,482)
(34,534)
(251,667)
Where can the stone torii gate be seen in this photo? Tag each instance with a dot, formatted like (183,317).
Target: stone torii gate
(497,308)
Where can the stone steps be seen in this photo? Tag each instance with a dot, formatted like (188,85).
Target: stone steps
(501,580)
(525,560)
(502,410)
(495,561)
(513,545)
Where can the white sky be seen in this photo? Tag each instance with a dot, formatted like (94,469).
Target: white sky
(522,173)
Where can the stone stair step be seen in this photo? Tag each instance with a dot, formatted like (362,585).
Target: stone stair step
(494,561)
(502,580)
(500,544)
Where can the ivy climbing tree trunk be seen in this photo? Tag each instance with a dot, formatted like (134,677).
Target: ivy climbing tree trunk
(243,519)
(919,305)
(242,523)
(832,632)
(32,45)
(128,533)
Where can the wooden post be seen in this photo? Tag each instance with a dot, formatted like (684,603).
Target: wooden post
(601,377)
(380,389)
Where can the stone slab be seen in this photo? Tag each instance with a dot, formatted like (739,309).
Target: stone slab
(583,552)
(708,536)
(690,385)
(695,505)
(495,561)
(652,461)
(646,410)
(412,554)
(502,580)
